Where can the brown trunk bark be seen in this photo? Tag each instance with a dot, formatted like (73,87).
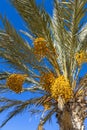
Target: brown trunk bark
(68,121)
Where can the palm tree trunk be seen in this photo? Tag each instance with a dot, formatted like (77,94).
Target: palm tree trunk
(68,121)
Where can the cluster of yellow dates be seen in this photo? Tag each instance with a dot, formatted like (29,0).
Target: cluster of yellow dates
(15,82)
(40,48)
(81,57)
(59,86)
(46,80)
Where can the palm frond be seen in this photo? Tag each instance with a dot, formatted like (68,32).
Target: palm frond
(16,111)
(60,32)
(36,19)
(4,89)
(19,53)
(19,106)
(66,27)
(35,111)
(82,84)
(63,35)
(4,75)
(15,49)
(39,22)
(83,38)
(48,116)
(67,21)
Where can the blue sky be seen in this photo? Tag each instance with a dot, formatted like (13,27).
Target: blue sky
(24,121)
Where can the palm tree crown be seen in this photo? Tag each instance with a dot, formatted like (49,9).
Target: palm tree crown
(61,41)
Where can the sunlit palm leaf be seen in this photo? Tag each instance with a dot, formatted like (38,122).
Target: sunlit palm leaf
(37,20)
(66,21)
(15,49)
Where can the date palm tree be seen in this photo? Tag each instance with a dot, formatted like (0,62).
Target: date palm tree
(50,62)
